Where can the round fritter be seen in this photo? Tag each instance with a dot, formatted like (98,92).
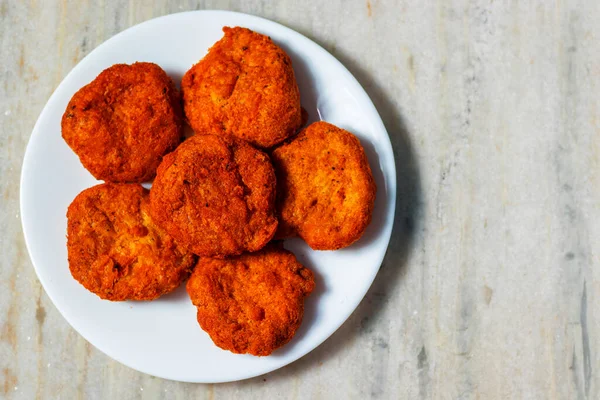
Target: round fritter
(326,191)
(216,195)
(123,122)
(116,251)
(253,303)
(244,86)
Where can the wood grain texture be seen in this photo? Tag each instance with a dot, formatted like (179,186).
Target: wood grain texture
(491,285)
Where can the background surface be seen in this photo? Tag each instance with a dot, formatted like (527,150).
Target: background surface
(491,283)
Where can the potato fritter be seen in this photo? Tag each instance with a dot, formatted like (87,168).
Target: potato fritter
(253,303)
(244,86)
(326,191)
(116,251)
(216,195)
(123,122)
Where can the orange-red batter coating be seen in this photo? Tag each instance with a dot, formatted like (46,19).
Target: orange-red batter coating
(244,86)
(253,303)
(116,251)
(123,122)
(216,195)
(326,191)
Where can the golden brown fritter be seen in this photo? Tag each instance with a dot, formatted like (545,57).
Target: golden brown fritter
(116,251)
(326,191)
(244,86)
(216,195)
(253,303)
(123,122)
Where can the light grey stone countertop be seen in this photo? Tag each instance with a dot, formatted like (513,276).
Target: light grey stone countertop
(491,285)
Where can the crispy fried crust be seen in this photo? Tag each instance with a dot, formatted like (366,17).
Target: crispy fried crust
(244,86)
(253,303)
(216,195)
(116,251)
(123,122)
(326,191)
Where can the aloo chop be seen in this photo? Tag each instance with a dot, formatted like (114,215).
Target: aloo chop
(326,192)
(124,121)
(245,87)
(216,196)
(115,249)
(253,303)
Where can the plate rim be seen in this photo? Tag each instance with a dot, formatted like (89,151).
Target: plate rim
(391,189)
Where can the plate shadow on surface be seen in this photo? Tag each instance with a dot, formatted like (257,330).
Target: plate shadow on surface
(407,222)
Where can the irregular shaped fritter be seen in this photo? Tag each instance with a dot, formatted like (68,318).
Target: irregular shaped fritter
(116,251)
(244,86)
(326,191)
(216,195)
(123,122)
(253,303)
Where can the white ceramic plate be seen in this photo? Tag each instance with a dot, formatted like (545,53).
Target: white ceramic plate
(162,337)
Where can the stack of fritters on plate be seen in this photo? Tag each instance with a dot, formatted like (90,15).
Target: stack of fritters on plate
(248,175)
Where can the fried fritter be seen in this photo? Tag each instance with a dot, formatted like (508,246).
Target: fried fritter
(326,191)
(216,195)
(116,251)
(123,122)
(253,303)
(244,86)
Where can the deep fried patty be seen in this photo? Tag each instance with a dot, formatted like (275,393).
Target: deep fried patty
(326,191)
(116,251)
(244,86)
(216,195)
(253,303)
(123,122)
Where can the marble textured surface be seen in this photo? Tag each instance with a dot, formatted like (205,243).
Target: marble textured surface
(491,283)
